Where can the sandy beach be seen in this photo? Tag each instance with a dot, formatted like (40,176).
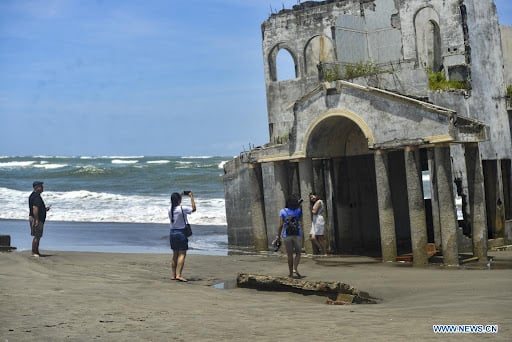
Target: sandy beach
(75,296)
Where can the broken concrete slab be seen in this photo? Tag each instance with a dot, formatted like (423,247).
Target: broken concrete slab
(332,290)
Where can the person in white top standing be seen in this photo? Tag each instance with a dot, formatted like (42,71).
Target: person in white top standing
(178,239)
(318,224)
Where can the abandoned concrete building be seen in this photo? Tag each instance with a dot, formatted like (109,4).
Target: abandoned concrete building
(400,160)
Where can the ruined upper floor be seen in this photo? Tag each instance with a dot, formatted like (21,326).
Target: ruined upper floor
(392,45)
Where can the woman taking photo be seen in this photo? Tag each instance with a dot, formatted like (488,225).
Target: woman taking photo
(179,241)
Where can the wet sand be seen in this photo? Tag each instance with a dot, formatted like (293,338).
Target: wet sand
(76,296)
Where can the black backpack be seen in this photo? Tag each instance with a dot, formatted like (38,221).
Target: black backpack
(292,225)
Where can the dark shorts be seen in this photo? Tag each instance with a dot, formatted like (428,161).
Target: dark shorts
(179,241)
(36,231)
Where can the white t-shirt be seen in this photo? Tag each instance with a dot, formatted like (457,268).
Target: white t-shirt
(179,222)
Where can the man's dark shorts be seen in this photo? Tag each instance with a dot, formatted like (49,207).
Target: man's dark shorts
(36,231)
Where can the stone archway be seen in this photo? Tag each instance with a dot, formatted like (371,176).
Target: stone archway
(341,140)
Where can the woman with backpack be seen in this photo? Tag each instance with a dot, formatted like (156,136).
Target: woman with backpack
(291,232)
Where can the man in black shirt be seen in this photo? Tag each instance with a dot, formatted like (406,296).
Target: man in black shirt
(37,216)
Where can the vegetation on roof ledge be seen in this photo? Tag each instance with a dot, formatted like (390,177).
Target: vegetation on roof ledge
(438,81)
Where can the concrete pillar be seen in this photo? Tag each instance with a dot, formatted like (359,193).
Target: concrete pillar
(293,178)
(275,189)
(476,194)
(320,189)
(386,214)
(500,202)
(436,219)
(238,204)
(306,187)
(447,209)
(416,207)
(318,177)
(494,198)
(329,195)
(257,210)
(506,166)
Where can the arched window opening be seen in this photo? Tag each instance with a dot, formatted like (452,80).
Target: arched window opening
(433,46)
(428,40)
(286,68)
(319,50)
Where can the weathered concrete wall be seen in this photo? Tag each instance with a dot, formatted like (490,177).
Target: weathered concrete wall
(484,102)
(275,189)
(487,102)
(506,44)
(238,204)
(446,14)
(371,37)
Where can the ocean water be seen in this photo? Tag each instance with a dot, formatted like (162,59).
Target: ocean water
(113,203)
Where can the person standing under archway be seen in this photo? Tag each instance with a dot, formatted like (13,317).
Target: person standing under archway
(317,232)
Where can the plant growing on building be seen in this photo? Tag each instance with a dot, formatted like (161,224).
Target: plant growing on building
(509,91)
(332,74)
(360,69)
(438,81)
(282,139)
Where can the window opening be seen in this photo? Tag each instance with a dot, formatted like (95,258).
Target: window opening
(285,66)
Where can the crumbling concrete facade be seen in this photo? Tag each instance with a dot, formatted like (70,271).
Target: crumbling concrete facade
(506,43)
(360,126)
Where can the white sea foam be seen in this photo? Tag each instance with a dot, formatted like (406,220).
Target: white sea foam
(184,165)
(52,157)
(43,164)
(120,161)
(48,166)
(222,163)
(196,157)
(158,162)
(14,164)
(89,169)
(87,206)
(123,157)
(111,157)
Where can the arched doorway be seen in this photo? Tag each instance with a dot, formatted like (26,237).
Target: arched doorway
(338,144)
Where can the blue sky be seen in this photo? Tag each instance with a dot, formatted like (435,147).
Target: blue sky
(135,77)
